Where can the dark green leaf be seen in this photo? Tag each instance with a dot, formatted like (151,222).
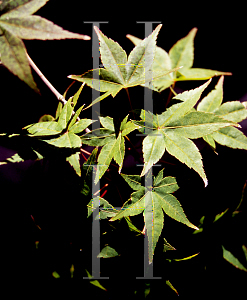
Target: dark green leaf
(16,23)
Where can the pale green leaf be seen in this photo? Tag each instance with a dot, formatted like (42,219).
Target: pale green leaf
(152,201)
(74,161)
(153,148)
(140,60)
(106,209)
(230,137)
(119,151)
(77,94)
(189,99)
(134,181)
(233,260)
(65,114)
(118,72)
(67,140)
(209,139)
(172,207)
(97,137)
(214,99)
(113,56)
(154,222)
(167,185)
(105,158)
(161,62)
(76,115)
(185,151)
(45,128)
(107,252)
(101,80)
(107,122)
(199,74)
(81,125)
(198,124)
(182,53)
(233,110)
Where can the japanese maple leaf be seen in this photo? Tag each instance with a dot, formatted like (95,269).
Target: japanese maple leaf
(153,200)
(172,130)
(181,54)
(234,111)
(63,133)
(113,147)
(119,71)
(17,23)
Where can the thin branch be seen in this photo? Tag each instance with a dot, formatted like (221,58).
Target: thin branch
(50,86)
(47,82)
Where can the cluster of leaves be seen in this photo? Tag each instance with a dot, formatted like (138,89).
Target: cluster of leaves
(172,130)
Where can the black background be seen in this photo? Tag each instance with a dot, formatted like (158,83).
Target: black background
(27,188)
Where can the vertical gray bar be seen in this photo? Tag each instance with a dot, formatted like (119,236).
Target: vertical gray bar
(148,106)
(95,187)
(96,82)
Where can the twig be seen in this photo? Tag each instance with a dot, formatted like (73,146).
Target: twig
(50,86)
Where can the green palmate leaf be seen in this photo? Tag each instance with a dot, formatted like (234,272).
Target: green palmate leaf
(152,201)
(113,148)
(181,54)
(52,127)
(162,62)
(119,71)
(233,260)
(63,139)
(233,111)
(16,23)
(173,128)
